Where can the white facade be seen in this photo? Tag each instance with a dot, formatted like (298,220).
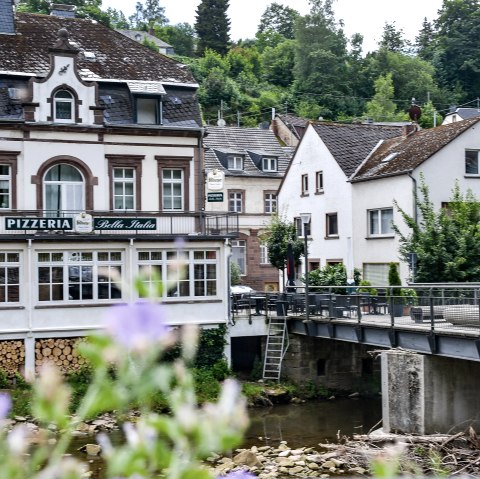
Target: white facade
(335,198)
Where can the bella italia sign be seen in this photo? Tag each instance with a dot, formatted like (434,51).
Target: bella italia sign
(126,224)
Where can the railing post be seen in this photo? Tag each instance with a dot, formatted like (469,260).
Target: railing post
(432,314)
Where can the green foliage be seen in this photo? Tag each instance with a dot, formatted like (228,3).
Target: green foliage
(277,20)
(212,26)
(207,386)
(309,390)
(147,15)
(79,382)
(235,274)
(446,240)
(150,44)
(382,107)
(211,347)
(365,287)
(393,275)
(4,381)
(277,235)
(329,275)
(180,36)
(220,370)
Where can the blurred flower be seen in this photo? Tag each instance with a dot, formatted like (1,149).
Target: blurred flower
(137,326)
(5,405)
(18,440)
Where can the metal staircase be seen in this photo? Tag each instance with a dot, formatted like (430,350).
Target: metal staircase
(277,344)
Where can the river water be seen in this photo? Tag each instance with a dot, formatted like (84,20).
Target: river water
(301,425)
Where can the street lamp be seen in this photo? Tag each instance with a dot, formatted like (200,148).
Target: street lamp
(306,217)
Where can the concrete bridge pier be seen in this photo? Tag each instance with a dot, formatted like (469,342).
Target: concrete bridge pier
(427,394)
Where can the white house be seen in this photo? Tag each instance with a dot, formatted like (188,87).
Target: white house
(444,156)
(316,182)
(460,114)
(100,167)
(251,163)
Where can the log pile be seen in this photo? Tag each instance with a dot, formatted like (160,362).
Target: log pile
(12,357)
(62,352)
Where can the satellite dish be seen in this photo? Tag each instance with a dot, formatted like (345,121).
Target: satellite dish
(221,122)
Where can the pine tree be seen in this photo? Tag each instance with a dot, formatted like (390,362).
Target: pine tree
(213,26)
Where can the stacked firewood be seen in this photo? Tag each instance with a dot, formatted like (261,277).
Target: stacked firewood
(62,352)
(12,357)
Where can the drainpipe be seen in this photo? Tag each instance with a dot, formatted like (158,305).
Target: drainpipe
(29,341)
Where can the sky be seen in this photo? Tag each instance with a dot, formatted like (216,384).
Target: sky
(359,16)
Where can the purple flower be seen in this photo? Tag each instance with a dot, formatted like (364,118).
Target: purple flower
(137,326)
(5,405)
(238,475)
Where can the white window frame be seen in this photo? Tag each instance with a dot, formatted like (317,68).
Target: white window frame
(239,255)
(235,202)
(235,163)
(270,203)
(70,101)
(96,269)
(269,164)
(264,254)
(328,225)
(376,226)
(10,289)
(472,156)
(304,180)
(123,182)
(6,179)
(72,194)
(319,182)
(177,200)
(185,274)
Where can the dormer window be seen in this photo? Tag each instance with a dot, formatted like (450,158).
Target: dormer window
(64,106)
(269,164)
(235,163)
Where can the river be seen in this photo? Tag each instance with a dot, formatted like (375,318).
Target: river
(306,424)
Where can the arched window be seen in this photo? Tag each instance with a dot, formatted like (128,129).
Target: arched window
(64,106)
(64,190)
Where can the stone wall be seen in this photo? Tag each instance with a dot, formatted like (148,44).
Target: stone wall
(335,365)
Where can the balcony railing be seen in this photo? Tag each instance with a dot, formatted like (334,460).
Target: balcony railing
(41,222)
(430,307)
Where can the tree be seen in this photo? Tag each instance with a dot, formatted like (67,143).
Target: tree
(393,39)
(148,15)
(212,26)
(180,36)
(278,63)
(425,41)
(84,8)
(445,241)
(321,58)
(277,20)
(430,117)
(278,234)
(382,106)
(458,42)
(117,18)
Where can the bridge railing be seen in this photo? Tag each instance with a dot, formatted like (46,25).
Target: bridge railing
(436,307)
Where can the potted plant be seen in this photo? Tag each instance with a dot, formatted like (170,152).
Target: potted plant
(395,299)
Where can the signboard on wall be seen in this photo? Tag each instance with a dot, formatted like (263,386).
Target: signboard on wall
(215,197)
(125,223)
(24,223)
(215,180)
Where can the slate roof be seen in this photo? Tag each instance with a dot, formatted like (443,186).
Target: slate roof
(408,152)
(117,59)
(465,113)
(132,34)
(350,144)
(252,143)
(6,21)
(295,124)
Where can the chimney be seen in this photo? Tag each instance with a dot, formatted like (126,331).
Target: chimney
(7,24)
(62,10)
(408,129)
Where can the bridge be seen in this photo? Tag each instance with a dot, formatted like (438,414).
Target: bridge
(431,338)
